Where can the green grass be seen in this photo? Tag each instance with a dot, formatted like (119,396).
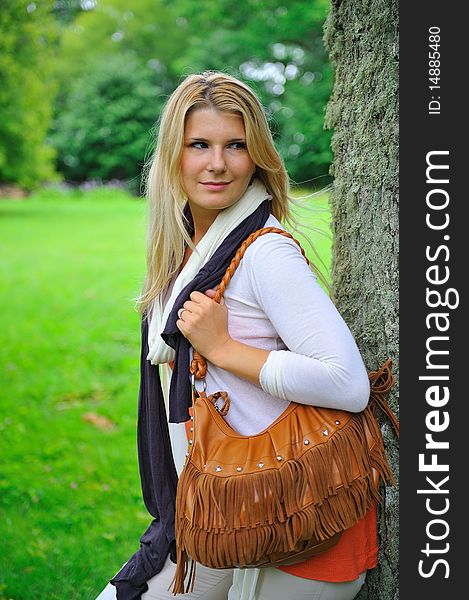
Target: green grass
(70,499)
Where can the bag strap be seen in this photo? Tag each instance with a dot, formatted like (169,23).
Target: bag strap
(381,381)
(240,253)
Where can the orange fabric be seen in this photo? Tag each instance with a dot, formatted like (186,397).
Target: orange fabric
(356,552)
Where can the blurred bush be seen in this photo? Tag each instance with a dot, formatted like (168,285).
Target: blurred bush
(277,48)
(27,40)
(102,131)
(103,69)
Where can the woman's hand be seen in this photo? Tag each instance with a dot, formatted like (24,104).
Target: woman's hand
(204,323)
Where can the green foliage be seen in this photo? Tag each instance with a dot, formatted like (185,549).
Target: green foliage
(108,65)
(67,10)
(275,46)
(146,29)
(103,130)
(27,37)
(111,97)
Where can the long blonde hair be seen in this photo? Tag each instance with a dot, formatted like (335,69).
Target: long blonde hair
(167,227)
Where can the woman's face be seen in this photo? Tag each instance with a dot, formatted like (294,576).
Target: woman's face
(216,167)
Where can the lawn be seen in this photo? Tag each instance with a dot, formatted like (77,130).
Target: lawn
(70,500)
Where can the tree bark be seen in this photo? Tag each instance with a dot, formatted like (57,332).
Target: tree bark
(362,39)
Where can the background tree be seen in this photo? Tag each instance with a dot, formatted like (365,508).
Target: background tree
(276,47)
(27,37)
(113,70)
(362,38)
(148,30)
(103,130)
(67,10)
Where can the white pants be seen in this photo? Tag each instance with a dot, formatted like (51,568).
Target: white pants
(246,584)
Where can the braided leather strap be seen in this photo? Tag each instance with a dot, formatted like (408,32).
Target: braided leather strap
(381,382)
(198,366)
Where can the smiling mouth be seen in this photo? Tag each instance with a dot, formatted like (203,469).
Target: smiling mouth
(215,185)
(215,182)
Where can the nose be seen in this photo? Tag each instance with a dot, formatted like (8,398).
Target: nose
(216,163)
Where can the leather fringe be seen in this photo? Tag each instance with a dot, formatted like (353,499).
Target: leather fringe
(276,518)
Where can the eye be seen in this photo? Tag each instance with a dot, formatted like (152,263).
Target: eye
(199,145)
(238,145)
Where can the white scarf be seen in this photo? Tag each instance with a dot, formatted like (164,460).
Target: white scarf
(226,221)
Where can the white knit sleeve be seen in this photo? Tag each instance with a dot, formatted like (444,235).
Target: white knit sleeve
(322,366)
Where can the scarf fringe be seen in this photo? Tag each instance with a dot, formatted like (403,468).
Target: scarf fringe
(255,519)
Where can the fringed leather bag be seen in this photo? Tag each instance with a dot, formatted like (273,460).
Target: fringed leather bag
(282,495)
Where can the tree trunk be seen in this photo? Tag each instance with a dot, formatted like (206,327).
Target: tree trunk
(362,39)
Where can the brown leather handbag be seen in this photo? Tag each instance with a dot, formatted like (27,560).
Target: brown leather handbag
(282,495)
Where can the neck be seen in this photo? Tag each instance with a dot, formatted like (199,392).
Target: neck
(200,229)
(202,220)
(201,226)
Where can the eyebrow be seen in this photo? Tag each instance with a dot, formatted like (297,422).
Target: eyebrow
(201,139)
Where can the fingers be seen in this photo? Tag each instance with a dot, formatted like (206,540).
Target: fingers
(193,307)
(199,305)
(197,301)
(198,297)
(211,294)
(201,320)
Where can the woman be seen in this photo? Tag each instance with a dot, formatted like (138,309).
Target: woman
(215,178)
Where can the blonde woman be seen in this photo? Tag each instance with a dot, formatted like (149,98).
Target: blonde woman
(216,177)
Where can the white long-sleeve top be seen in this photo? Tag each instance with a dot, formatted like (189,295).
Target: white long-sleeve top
(275,303)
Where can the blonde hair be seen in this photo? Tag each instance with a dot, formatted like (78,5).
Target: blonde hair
(167,227)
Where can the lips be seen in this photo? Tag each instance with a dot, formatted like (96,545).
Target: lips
(215,185)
